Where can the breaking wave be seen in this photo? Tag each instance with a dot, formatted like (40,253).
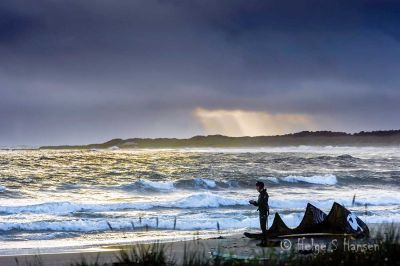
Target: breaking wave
(315,179)
(196,200)
(92,225)
(144,184)
(156,185)
(205,182)
(201,200)
(165,186)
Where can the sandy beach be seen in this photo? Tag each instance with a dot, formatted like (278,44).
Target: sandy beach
(107,254)
(236,244)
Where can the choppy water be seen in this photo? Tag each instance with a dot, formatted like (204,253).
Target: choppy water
(50,198)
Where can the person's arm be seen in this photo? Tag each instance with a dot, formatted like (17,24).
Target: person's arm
(253,202)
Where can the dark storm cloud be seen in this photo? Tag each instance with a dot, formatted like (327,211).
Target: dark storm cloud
(86,71)
(13,25)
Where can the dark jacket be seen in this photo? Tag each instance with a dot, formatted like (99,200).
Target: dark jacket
(262,202)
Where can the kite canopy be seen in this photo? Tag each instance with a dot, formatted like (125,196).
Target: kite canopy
(311,220)
(339,221)
(278,227)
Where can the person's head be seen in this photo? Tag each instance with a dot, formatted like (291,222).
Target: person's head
(259,186)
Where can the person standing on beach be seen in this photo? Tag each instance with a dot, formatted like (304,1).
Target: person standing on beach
(263,207)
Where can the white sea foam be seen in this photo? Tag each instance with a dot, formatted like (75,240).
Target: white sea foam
(88,225)
(270,179)
(156,185)
(299,203)
(205,182)
(2,188)
(195,200)
(201,200)
(291,204)
(207,200)
(378,200)
(316,179)
(203,223)
(385,218)
(364,152)
(113,148)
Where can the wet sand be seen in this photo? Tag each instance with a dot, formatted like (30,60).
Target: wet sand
(234,244)
(174,250)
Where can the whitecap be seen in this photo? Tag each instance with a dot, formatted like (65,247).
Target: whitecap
(195,200)
(270,179)
(205,182)
(207,200)
(316,179)
(156,185)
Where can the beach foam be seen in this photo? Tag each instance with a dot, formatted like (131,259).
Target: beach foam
(194,200)
(202,199)
(202,223)
(205,182)
(91,225)
(316,179)
(156,185)
(270,179)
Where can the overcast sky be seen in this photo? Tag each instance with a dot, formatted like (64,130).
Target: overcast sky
(75,72)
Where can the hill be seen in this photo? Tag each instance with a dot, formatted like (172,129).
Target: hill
(312,138)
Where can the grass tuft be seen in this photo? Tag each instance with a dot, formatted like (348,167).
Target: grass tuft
(146,255)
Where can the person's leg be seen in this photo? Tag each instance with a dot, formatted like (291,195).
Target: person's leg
(263,223)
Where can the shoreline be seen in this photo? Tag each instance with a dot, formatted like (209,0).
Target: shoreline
(109,253)
(224,245)
(200,148)
(383,137)
(139,237)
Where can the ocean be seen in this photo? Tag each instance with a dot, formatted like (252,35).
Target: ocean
(69,199)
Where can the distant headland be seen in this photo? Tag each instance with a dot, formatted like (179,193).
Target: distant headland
(312,138)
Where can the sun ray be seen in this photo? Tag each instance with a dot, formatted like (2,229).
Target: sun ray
(251,123)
